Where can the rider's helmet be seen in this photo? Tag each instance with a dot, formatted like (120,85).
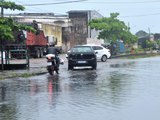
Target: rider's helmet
(51,44)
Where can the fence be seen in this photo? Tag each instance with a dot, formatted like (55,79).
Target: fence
(15,58)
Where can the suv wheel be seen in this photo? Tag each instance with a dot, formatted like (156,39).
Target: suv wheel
(94,67)
(70,67)
(104,58)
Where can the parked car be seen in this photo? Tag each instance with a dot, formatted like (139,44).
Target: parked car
(80,56)
(102,53)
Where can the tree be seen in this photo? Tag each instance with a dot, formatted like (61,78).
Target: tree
(141,33)
(150,44)
(8,25)
(112,29)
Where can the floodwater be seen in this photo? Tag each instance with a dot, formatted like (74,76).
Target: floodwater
(118,90)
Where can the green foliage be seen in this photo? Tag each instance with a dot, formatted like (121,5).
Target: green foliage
(8,25)
(5,29)
(141,33)
(11,5)
(112,29)
(158,42)
(150,44)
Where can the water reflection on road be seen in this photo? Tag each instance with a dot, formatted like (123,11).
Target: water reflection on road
(117,90)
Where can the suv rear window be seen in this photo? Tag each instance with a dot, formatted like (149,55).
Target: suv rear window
(82,49)
(97,48)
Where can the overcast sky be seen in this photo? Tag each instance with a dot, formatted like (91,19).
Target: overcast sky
(138,14)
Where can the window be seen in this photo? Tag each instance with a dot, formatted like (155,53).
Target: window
(97,48)
(82,49)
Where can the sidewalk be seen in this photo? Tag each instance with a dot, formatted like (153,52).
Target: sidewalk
(37,67)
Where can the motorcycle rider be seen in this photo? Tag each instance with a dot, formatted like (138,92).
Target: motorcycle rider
(53,50)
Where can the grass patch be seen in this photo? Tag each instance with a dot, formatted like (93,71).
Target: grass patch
(23,75)
(142,56)
(1,78)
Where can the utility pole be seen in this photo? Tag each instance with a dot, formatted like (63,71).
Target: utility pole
(2,10)
(128,27)
(149,33)
(2,64)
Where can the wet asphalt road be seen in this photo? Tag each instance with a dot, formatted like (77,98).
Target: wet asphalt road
(119,89)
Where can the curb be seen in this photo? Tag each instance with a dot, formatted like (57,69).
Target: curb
(22,73)
(134,55)
(33,71)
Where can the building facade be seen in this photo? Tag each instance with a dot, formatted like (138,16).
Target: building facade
(67,30)
(48,22)
(79,31)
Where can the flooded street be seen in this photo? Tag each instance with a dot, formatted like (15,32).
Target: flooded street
(120,89)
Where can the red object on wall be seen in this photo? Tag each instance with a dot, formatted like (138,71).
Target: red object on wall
(38,40)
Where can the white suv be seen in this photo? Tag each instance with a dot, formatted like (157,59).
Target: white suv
(102,53)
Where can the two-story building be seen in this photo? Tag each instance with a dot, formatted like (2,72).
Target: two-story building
(79,31)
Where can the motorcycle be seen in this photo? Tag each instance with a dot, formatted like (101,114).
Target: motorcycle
(52,64)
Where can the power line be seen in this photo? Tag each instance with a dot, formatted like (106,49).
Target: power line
(142,15)
(139,2)
(33,8)
(54,3)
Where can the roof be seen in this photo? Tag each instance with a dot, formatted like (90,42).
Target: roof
(84,11)
(79,11)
